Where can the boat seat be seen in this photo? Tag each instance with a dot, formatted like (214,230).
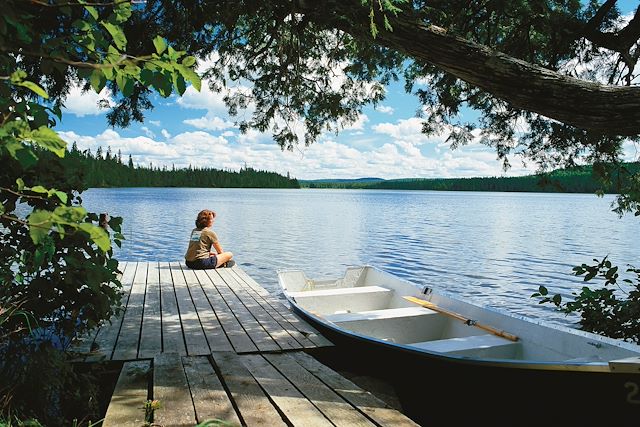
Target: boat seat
(488,345)
(330,301)
(389,313)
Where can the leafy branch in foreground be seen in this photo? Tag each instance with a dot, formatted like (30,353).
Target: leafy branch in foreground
(601,310)
(59,279)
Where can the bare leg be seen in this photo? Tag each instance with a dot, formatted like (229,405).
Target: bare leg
(222,258)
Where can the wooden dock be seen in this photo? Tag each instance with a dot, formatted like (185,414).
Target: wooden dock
(215,348)
(172,309)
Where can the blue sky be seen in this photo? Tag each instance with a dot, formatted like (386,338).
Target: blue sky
(196,130)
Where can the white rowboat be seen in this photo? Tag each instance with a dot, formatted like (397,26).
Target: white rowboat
(439,350)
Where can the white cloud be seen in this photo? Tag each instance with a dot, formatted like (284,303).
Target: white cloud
(86,103)
(385,109)
(206,99)
(165,133)
(409,130)
(209,122)
(327,158)
(631,151)
(358,124)
(155,122)
(148,132)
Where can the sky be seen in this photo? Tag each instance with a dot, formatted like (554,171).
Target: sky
(195,129)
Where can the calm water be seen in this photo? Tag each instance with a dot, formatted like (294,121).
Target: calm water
(492,248)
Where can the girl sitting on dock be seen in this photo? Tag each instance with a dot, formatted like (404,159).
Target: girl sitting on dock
(199,255)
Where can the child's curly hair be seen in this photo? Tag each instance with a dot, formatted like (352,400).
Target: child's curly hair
(204,217)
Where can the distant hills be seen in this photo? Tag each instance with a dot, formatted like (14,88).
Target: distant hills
(572,180)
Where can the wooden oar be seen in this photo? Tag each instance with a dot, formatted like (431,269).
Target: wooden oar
(460,317)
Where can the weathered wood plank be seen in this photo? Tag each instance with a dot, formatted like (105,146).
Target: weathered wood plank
(258,335)
(296,407)
(235,333)
(104,343)
(171,388)
(127,344)
(172,337)
(193,334)
(267,302)
(213,330)
(151,334)
(129,396)
(296,323)
(374,408)
(254,406)
(340,412)
(273,328)
(209,396)
(248,280)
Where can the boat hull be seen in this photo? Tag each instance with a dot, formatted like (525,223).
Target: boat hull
(438,390)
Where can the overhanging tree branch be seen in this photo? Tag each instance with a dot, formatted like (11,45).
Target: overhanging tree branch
(587,105)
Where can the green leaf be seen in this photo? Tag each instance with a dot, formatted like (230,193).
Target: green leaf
(98,235)
(98,80)
(190,76)
(49,139)
(34,88)
(160,44)
(122,12)
(117,35)
(39,189)
(92,11)
(39,225)
(178,82)
(62,196)
(22,154)
(70,214)
(189,61)
(543,290)
(20,184)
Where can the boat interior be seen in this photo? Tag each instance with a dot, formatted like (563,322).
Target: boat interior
(374,304)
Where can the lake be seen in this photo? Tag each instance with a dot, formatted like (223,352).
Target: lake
(491,248)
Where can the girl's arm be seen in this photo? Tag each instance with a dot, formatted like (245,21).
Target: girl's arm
(218,247)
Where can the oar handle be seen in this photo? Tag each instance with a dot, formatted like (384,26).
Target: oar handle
(470,322)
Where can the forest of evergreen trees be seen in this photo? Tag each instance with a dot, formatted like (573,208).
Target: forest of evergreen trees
(574,180)
(106,169)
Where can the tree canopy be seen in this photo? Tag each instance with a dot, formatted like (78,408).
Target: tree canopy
(552,82)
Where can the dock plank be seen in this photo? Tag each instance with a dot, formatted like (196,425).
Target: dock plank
(127,344)
(278,305)
(191,328)
(209,396)
(171,388)
(280,335)
(259,336)
(129,396)
(151,334)
(172,337)
(254,406)
(334,407)
(374,408)
(296,407)
(107,336)
(236,334)
(267,302)
(213,330)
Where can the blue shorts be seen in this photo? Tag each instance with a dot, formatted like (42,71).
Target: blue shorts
(203,264)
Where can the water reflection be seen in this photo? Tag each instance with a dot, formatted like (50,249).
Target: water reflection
(495,248)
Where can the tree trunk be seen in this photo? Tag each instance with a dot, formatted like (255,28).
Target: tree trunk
(613,110)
